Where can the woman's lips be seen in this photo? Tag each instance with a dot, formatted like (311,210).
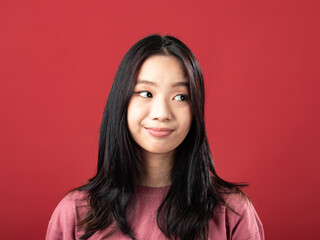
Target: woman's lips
(159,132)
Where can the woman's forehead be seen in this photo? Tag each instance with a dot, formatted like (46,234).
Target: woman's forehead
(158,68)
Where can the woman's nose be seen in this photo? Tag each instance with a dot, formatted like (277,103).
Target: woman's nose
(160,110)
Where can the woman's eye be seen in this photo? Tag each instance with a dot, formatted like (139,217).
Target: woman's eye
(181,97)
(145,94)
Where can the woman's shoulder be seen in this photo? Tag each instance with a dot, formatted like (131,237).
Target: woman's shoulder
(73,200)
(237,201)
(66,215)
(240,217)
(76,197)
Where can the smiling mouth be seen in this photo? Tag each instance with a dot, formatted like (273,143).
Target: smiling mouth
(159,132)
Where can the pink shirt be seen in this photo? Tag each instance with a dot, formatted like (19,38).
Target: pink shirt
(225,224)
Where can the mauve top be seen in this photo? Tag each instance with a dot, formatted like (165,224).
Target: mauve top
(225,225)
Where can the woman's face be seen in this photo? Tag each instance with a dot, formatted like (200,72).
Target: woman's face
(159,112)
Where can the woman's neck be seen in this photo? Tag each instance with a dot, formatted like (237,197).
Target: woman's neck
(156,169)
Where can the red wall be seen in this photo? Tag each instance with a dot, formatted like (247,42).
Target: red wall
(261,65)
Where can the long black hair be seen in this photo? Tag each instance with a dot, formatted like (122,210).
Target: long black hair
(196,190)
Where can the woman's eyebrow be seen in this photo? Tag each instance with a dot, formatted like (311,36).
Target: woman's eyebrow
(177,84)
(146,82)
(181,84)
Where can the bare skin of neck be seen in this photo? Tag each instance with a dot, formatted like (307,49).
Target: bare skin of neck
(156,169)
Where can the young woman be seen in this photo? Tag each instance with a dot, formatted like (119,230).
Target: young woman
(155,177)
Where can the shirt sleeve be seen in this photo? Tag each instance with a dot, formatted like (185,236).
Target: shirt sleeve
(245,223)
(62,224)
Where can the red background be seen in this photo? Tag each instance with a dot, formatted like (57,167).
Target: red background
(260,61)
